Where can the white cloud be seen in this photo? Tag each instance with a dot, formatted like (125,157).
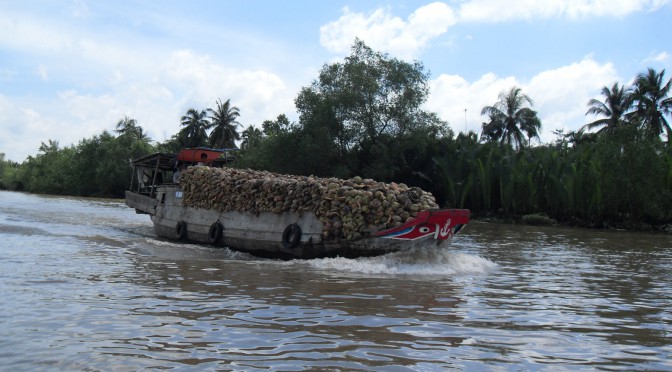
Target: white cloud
(86,108)
(22,32)
(71,52)
(28,128)
(560,96)
(80,9)
(42,71)
(7,74)
(382,31)
(157,101)
(497,10)
(259,94)
(450,95)
(108,76)
(5,107)
(656,57)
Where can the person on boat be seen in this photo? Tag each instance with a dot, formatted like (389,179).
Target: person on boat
(178,169)
(204,158)
(143,176)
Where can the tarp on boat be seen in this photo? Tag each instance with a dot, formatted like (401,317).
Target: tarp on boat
(202,154)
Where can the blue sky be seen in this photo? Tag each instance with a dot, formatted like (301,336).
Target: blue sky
(71,69)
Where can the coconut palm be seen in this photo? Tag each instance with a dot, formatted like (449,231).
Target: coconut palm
(225,131)
(510,120)
(126,125)
(130,127)
(579,137)
(617,102)
(653,102)
(142,135)
(251,137)
(195,123)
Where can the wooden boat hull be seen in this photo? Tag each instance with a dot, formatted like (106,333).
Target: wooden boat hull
(288,234)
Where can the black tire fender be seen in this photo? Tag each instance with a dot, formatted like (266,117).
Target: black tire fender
(215,233)
(181,230)
(291,236)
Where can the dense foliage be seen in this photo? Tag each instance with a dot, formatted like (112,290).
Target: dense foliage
(99,166)
(363,117)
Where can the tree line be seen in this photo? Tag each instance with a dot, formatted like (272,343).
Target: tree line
(101,166)
(363,117)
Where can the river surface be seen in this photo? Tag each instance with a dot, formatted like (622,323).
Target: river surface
(86,285)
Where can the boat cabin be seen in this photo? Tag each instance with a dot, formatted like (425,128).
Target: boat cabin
(158,169)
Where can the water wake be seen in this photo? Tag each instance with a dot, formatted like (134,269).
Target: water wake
(445,261)
(413,262)
(185,251)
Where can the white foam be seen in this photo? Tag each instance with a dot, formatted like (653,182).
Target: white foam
(164,243)
(420,261)
(414,262)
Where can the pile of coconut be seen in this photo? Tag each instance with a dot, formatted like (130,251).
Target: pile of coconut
(348,209)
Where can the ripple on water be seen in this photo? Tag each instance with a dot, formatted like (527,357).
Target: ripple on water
(108,295)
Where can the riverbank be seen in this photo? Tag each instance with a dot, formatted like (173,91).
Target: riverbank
(539,219)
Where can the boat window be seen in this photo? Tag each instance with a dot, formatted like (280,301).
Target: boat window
(163,198)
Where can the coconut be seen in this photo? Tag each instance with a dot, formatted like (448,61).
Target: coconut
(348,209)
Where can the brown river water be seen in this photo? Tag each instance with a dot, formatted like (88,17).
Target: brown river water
(86,285)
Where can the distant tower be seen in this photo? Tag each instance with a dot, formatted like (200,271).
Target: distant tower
(465,121)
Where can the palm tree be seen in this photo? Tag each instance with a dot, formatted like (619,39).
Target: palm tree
(224,121)
(251,137)
(142,135)
(579,137)
(492,130)
(617,102)
(653,102)
(509,118)
(130,127)
(126,125)
(195,123)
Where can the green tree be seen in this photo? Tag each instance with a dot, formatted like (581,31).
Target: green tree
(616,104)
(653,102)
(319,111)
(359,104)
(9,174)
(273,127)
(251,138)
(172,144)
(49,171)
(194,133)
(579,137)
(4,165)
(509,119)
(631,176)
(130,127)
(223,120)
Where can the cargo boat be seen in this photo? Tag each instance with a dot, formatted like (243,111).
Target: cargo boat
(285,233)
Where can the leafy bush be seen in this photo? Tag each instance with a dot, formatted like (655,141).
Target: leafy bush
(538,220)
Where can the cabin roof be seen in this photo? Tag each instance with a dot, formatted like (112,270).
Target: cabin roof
(167,161)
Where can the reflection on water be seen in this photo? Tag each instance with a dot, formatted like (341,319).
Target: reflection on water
(87,286)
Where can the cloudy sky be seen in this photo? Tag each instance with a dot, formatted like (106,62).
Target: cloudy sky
(71,69)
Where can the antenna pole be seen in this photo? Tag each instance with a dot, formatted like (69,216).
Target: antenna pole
(465,121)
